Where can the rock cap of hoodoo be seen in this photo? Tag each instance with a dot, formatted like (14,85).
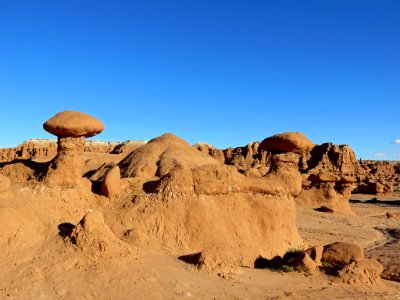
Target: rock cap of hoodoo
(287,142)
(323,177)
(71,123)
(347,179)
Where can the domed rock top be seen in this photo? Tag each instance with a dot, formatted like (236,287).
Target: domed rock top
(323,177)
(347,179)
(286,158)
(287,142)
(71,123)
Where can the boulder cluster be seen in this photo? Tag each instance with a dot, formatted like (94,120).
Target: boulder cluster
(345,260)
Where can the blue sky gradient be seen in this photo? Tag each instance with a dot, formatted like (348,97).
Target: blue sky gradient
(223,72)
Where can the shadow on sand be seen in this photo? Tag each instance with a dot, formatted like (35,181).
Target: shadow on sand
(379,202)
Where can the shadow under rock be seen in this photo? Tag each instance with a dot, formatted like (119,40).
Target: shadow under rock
(39,168)
(263,263)
(149,187)
(376,201)
(65,229)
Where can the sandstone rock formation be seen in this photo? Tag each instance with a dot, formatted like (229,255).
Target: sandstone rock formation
(44,149)
(127,146)
(336,159)
(373,177)
(254,160)
(73,124)
(345,260)
(111,183)
(305,263)
(191,189)
(379,187)
(362,271)
(287,142)
(216,209)
(31,149)
(210,150)
(212,260)
(315,253)
(160,155)
(327,190)
(71,128)
(96,241)
(341,253)
(100,146)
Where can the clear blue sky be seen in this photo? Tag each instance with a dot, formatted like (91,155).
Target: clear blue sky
(222,72)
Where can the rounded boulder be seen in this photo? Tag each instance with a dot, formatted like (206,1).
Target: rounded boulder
(342,253)
(111,183)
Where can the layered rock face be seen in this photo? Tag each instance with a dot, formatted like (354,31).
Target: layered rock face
(316,163)
(100,147)
(254,160)
(66,168)
(336,159)
(31,149)
(243,158)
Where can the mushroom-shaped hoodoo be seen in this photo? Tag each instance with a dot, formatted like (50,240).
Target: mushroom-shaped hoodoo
(327,192)
(71,129)
(287,142)
(323,177)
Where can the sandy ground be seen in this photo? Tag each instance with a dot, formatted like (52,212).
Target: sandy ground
(52,271)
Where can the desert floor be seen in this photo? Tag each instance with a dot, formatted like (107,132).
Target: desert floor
(51,274)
